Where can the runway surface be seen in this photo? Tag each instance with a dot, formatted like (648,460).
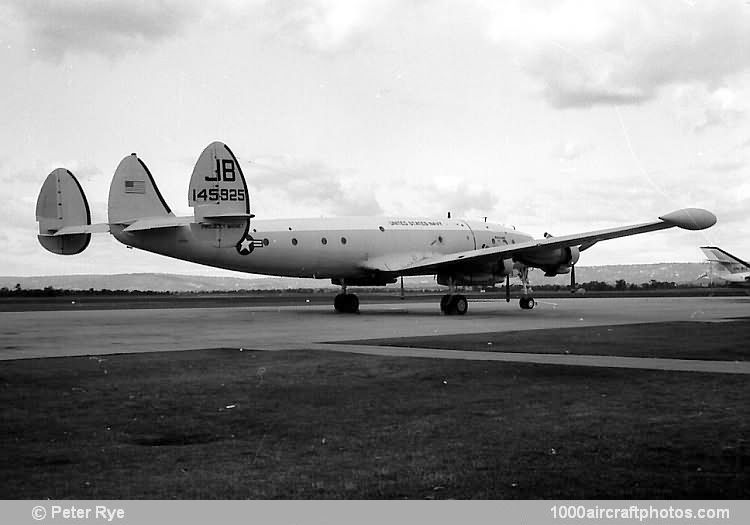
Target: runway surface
(93,332)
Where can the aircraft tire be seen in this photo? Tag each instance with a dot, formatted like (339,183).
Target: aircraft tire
(459,305)
(346,303)
(527,303)
(454,304)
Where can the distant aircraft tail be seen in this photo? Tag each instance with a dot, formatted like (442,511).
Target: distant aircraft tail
(63,214)
(727,262)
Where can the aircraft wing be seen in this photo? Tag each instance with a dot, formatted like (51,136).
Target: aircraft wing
(688,218)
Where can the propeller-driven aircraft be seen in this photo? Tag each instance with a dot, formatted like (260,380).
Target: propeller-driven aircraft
(350,251)
(726,267)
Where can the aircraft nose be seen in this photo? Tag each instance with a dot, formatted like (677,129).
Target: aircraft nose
(690,218)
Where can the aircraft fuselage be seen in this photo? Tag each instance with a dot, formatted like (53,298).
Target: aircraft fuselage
(329,248)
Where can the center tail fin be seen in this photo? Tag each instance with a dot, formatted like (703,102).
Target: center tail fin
(133,194)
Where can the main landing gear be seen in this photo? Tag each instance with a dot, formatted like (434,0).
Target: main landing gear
(454,304)
(527,302)
(346,303)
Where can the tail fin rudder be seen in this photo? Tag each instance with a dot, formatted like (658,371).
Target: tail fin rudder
(726,260)
(63,214)
(133,193)
(217,189)
(220,200)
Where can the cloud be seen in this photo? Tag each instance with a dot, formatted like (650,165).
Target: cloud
(586,53)
(327,26)
(700,109)
(571,150)
(106,27)
(466,201)
(313,183)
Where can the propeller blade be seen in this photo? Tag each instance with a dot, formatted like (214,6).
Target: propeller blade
(507,288)
(573,277)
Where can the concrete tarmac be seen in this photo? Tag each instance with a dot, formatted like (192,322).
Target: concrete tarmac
(96,332)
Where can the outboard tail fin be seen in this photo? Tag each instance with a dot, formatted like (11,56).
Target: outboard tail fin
(63,214)
(133,193)
(217,189)
(220,200)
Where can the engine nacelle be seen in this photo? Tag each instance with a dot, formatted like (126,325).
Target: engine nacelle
(482,277)
(553,262)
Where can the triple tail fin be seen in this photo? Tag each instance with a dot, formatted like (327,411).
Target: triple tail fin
(133,194)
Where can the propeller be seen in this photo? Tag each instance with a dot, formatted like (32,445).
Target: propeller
(507,288)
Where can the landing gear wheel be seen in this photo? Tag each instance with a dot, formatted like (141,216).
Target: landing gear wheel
(459,305)
(454,304)
(346,303)
(527,303)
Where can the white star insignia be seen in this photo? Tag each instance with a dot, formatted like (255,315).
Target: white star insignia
(245,246)
(248,244)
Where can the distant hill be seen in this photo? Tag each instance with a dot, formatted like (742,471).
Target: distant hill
(680,273)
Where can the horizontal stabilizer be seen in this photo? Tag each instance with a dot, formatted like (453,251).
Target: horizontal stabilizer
(101,227)
(223,217)
(155,223)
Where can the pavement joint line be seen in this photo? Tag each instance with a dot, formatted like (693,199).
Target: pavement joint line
(647,363)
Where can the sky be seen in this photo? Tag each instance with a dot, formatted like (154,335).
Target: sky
(552,116)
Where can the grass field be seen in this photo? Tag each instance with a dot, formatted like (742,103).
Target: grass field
(228,424)
(725,341)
